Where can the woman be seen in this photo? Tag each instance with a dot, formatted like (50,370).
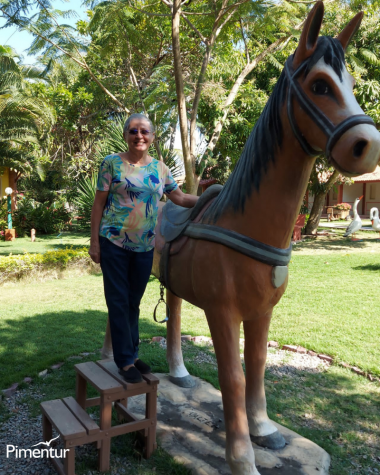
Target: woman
(123,219)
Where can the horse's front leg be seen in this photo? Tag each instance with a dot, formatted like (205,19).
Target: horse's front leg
(263,431)
(225,334)
(178,372)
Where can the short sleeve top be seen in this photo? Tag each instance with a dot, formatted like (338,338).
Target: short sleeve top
(130,214)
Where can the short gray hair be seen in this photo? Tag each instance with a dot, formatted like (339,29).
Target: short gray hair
(137,116)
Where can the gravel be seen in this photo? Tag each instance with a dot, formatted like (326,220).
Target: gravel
(23,431)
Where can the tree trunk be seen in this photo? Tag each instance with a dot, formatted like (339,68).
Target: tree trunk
(182,112)
(316,210)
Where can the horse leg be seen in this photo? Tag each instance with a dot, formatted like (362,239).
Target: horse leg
(225,334)
(263,431)
(178,372)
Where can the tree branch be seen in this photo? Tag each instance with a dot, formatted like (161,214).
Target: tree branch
(245,41)
(194,28)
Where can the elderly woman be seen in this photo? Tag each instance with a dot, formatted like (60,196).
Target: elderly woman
(123,219)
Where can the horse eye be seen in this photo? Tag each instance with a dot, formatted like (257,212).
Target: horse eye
(320,87)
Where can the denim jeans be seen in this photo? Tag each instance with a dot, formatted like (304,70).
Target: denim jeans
(125,276)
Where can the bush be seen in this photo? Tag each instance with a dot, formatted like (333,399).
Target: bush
(18,266)
(43,218)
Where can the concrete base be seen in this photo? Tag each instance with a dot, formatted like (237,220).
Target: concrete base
(10,234)
(191,428)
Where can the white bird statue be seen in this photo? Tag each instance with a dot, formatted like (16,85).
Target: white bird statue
(356,223)
(374,217)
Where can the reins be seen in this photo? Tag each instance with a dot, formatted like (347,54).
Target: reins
(332,132)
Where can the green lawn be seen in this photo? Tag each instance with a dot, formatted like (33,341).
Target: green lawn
(43,243)
(330,306)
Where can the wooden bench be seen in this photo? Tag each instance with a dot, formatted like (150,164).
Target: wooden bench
(76,427)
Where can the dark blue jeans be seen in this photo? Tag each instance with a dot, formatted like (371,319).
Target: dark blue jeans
(125,275)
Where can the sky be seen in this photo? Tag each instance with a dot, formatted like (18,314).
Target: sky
(20,41)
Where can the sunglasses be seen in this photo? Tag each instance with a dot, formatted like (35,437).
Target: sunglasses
(136,131)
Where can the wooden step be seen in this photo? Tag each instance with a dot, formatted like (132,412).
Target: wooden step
(101,380)
(110,367)
(63,420)
(82,416)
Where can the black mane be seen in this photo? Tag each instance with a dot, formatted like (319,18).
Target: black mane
(266,137)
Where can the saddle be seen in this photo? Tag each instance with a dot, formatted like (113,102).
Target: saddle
(172,224)
(178,224)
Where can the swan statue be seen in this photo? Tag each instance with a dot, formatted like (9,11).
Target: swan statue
(356,223)
(374,217)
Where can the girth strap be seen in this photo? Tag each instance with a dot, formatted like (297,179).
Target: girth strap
(332,132)
(240,243)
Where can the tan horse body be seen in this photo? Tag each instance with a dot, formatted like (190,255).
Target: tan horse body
(232,288)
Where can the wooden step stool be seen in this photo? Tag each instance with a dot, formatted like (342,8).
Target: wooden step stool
(112,388)
(75,426)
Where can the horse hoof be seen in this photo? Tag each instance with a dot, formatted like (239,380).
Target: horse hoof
(184,382)
(273,441)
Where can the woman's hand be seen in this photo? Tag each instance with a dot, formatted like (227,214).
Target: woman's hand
(95,252)
(182,199)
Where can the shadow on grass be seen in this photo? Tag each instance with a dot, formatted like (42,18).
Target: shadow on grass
(336,243)
(373,267)
(337,410)
(31,344)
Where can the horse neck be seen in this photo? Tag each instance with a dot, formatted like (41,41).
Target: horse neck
(270,213)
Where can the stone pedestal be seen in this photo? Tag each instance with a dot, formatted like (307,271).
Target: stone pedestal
(32,235)
(10,234)
(190,427)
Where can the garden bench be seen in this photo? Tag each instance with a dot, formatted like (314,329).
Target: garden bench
(75,426)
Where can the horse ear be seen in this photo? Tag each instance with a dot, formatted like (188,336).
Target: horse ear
(309,35)
(349,30)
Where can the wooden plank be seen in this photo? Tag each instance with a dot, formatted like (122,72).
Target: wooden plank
(110,367)
(58,466)
(92,401)
(150,378)
(66,423)
(128,427)
(89,424)
(81,390)
(105,424)
(99,379)
(127,415)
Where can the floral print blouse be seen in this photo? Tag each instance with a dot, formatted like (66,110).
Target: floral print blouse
(130,214)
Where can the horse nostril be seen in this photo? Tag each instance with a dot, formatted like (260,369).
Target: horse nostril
(359,148)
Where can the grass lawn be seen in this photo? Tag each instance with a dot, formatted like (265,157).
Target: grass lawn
(330,306)
(43,243)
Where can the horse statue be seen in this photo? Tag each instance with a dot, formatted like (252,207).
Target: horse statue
(231,254)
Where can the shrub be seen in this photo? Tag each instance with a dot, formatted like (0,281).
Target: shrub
(18,266)
(43,218)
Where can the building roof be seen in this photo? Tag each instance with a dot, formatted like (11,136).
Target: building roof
(368,177)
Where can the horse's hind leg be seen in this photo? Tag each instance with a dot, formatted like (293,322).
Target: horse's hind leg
(263,431)
(178,372)
(225,334)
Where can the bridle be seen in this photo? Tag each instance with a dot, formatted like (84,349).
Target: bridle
(332,132)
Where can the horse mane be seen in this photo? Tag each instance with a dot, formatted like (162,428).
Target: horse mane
(266,137)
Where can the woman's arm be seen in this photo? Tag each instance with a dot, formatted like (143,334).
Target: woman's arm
(182,199)
(96,216)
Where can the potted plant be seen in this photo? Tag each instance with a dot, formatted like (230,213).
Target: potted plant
(343,210)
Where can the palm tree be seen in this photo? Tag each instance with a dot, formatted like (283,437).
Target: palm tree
(24,119)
